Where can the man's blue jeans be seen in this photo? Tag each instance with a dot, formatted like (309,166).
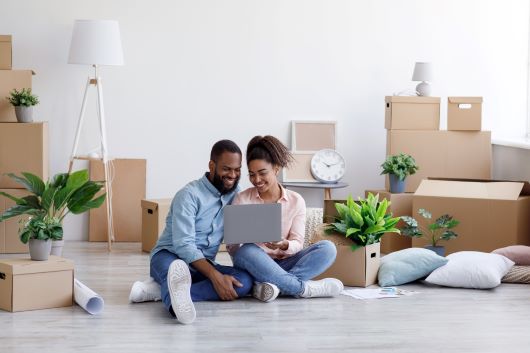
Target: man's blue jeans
(202,288)
(288,274)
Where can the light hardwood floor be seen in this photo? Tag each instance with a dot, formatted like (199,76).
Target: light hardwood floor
(436,320)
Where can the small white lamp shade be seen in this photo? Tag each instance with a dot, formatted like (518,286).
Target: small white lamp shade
(422,72)
(96,42)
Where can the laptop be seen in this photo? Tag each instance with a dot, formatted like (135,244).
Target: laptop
(253,223)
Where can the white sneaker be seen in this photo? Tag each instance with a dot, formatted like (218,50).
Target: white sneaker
(265,291)
(327,287)
(179,284)
(145,291)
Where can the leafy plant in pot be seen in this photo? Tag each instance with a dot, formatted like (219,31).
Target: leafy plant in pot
(48,204)
(440,229)
(398,168)
(23,101)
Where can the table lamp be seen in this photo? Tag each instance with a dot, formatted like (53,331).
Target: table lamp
(423,72)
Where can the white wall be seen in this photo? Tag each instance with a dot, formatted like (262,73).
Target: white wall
(201,70)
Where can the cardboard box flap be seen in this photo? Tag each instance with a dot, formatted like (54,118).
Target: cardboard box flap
(490,190)
(525,191)
(5,38)
(465,99)
(411,99)
(155,203)
(26,265)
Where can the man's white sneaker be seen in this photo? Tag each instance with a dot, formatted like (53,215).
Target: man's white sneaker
(327,287)
(265,291)
(145,291)
(179,284)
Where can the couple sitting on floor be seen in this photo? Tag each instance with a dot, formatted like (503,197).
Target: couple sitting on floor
(183,260)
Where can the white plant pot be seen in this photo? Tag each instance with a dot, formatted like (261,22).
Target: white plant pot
(39,250)
(57,247)
(24,114)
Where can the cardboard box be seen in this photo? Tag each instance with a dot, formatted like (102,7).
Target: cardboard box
(6,52)
(492,214)
(9,229)
(412,113)
(23,148)
(330,211)
(128,191)
(464,113)
(154,213)
(10,79)
(448,154)
(400,205)
(22,279)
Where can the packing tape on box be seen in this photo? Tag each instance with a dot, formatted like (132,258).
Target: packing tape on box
(87,299)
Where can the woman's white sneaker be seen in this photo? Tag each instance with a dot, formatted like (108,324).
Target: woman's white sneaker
(327,287)
(179,284)
(265,291)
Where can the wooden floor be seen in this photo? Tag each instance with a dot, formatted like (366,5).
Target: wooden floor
(436,320)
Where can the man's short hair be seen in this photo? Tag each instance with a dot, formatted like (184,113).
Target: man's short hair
(223,146)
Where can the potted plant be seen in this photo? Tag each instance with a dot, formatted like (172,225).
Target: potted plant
(440,229)
(48,204)
(23,101)
(357,231)
(398,167)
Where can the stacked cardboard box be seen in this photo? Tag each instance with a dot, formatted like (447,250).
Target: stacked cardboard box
(23,147)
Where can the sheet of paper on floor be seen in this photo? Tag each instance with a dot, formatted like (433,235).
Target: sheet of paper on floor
(377,293)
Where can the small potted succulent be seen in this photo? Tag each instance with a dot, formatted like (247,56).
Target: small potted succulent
(440,229)
(398,168)
(47,206)
(23,101)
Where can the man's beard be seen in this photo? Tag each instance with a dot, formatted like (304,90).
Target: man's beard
(217,181)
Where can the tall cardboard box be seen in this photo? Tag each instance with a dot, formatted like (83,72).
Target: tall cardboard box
(128,191)
(492,214)
(10,79)
(448,154)
(400,205)
(464,113)
(23,148)
(9,240)
(412,113)
(30,285)
(6,52)
(154,213)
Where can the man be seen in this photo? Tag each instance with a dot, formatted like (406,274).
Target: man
(182,262)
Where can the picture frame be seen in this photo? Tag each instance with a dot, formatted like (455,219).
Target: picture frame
(313,136)
(300,169)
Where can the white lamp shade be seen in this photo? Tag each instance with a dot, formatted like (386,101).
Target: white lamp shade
(423,72)
(96,42)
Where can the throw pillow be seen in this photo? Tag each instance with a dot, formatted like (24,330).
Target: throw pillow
(518,274)
(519,254)
(471,269)
(407,265)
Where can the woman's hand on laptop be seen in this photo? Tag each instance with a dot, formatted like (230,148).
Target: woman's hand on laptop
(282,245)
(224,286)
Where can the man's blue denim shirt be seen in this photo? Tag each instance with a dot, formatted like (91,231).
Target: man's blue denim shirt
(194,224)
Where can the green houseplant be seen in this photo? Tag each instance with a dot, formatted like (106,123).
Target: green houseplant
(440,229)
(48,204)
(398,167)
(23,101)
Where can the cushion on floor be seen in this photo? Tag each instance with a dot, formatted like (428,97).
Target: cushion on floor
(518,274)
(519,254)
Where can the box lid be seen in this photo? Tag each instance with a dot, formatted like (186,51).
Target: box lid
(154,203)
(25,265)
(5,38)
(411,99)
(473,189)
(459,100)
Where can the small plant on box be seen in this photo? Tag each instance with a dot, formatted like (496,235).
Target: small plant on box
(23,101)
(50,202)
(364,222)
(399,167)
(440,229)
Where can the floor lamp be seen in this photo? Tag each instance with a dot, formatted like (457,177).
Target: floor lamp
(96,43)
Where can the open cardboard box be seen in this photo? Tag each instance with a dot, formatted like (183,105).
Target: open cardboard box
(492,213)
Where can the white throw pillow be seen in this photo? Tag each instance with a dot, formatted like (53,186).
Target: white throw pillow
(471,269)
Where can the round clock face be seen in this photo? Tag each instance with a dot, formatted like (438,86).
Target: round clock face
(328,166)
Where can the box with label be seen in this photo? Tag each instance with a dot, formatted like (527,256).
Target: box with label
(448,154)
(464,113)
(6,52)
(9,229)
(154,213)
(492,214)
(400,205)
(23,148)
(128,191)
(10,79)
(412,113)
(29,285)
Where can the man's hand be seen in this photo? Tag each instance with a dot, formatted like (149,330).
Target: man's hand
(224,286)
(282,245)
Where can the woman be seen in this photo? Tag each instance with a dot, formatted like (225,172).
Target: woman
(281,267)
